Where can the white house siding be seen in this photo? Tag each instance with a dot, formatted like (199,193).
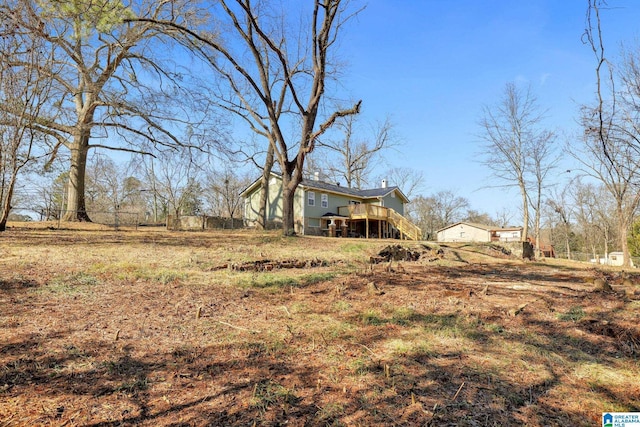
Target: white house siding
(464,233)
(509,235)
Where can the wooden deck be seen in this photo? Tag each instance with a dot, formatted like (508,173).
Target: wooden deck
(368,212)
(364,211)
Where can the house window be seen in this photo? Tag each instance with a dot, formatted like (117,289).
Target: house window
(313,222)
(324,202)
(311,197)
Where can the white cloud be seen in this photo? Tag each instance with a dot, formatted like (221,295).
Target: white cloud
(543,78)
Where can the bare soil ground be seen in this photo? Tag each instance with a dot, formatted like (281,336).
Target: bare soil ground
(104,328)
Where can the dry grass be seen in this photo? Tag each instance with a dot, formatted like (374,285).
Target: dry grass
(103,328)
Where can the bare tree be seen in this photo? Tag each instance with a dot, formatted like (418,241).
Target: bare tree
(595,215)
(22,95)
(543,159)
(275,78)
(423,214)
(611,140)
(561,212)
(616,168)
(48,197)
(222,193)
(603,113)
(355,151)
(439,210)
(503,218)
(108,90)
(174,182)
(513,133)
(410,181)
(478,217)
(627,113)
(449,207)
(112,187)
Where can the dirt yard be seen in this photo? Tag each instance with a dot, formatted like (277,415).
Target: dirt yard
(104,328)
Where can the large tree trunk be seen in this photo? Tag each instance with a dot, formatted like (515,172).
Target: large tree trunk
(76,209)
(625,246)
(264,188)
(537,235)
(288,222)
(288,192)
(623,232)
(291,177)
(525,216)
(536,223)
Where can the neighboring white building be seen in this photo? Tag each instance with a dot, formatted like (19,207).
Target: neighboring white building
(472,232)
(614,259)
(510,234)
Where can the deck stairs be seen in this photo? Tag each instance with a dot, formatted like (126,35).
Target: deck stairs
(407,229)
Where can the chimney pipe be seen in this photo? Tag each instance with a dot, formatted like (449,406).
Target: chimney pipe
(316,176)
(384,183)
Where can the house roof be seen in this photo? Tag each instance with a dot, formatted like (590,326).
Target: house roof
(363,194)
(480,226)
(333,215)
(338,189)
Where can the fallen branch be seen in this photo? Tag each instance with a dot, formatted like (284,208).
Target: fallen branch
(370,351)
(457,392)
(237,327)
(284,307)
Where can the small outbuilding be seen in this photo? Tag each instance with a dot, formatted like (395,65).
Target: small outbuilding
(613,258)
(473,232)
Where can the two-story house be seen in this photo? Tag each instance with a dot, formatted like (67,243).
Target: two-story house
(321,208)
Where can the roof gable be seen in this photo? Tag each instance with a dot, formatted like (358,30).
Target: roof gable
(480,226)
(373,193)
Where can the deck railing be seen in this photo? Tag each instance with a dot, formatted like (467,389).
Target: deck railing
(368,211)
(364,210)
(405,226)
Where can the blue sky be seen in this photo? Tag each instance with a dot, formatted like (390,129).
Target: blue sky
(431,65)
